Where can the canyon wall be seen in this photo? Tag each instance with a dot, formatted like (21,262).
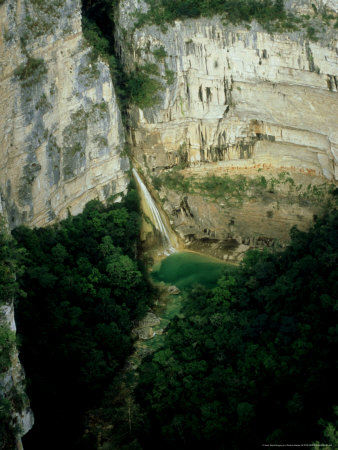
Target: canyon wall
(13,383)
(234,97)
(236,94)
(245,126)
(61,135)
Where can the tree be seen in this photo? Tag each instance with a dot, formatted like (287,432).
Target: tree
(84,288)
(263,340)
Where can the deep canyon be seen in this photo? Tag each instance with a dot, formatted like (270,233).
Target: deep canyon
(239,145)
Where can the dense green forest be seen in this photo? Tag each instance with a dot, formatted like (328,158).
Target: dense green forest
(84,288)
(248,363)
(253,361)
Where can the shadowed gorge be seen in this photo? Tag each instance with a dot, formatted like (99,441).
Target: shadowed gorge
(168,224)
(263,340)
(84,289)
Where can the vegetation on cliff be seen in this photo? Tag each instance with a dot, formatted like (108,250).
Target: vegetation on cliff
(31,72)
(10,399)
(84,288)
(235,11)
(232,190)
(98,29)
(140,86)
(271,14)
(8,428)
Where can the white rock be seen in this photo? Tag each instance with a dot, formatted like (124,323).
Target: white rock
(239,95)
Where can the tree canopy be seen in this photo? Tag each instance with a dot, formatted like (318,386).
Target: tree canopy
(84,289)
(253,361)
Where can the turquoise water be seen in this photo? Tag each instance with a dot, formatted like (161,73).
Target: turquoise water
(187,268)
(182,270)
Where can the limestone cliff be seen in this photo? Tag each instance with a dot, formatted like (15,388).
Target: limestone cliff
(235,97)
(12,383)
(237,94)
(61,137)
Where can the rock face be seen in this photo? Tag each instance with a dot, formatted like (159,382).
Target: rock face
(239,99)
(332,4)
(61,135)
(258,213)
(305,6)
(237,94)
(12,382)
(144,329)
(60,128)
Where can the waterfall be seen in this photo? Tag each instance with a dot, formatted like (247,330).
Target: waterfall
(157,219)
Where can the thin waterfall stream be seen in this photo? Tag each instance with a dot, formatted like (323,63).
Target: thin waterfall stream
(173,276)
(156,216)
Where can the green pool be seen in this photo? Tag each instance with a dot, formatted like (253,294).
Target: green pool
(182,270)
(187,268)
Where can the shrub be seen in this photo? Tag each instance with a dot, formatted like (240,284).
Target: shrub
(144,90)
(311,33)
(160,53)
(170,76)
(150,69)
(31,72)
(157,183)
(7,346)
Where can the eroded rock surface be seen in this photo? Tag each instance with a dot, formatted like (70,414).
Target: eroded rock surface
(60,128)
(236,94)
(12,382)
(238,99)
(144,328)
